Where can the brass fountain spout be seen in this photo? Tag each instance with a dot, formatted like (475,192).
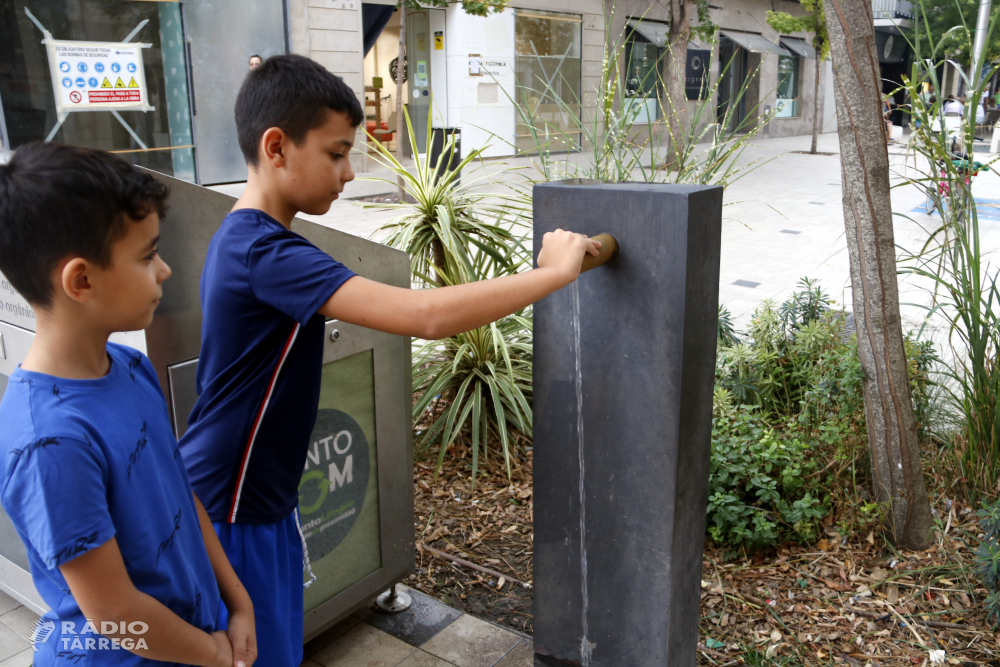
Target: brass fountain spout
(609,250)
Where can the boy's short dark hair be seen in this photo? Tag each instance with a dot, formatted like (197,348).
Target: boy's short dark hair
(294,94)
(58,201)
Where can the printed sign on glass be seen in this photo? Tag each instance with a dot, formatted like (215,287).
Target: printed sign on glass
(108,76)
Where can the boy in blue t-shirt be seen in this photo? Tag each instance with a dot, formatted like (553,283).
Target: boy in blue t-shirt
(120,549)
(265,295)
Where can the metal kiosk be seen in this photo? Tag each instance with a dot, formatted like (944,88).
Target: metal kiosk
(356,493)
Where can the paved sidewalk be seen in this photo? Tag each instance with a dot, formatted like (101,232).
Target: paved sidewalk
(429,634)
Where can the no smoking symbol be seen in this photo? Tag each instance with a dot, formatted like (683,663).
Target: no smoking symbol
(75,96)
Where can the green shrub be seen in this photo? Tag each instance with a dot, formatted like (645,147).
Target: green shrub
(788,436)
(988,558)
(759,486)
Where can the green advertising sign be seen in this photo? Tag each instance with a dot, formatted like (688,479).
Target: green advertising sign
(338,494)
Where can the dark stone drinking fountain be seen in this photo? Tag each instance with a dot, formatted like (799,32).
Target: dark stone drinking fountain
(623,377)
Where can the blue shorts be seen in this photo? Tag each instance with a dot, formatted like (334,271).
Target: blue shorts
(268,560)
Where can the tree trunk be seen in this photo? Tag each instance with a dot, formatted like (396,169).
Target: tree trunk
(892,431)
(400,119)
(816,111)
(675,70)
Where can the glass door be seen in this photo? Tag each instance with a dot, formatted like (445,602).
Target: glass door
(159,139)
(732,71)
(418,69)
(222,35)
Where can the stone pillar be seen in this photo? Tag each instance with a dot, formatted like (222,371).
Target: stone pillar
(628,386)
(330,32)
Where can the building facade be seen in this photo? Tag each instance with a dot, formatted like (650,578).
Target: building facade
(539,59)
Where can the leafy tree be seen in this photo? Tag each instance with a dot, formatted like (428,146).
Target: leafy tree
(815,22)
(675,64)
(890,420)
(947,26)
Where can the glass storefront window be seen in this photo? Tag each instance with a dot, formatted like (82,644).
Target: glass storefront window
(549,79)
(26,95)
(788,87)
(642,80)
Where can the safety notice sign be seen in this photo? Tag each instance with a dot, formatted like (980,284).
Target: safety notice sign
(90,76)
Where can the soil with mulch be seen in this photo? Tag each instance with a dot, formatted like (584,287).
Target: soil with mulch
(851,600)
(459,529)
(846,599)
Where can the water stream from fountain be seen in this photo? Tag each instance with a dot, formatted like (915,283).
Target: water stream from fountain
(586,648)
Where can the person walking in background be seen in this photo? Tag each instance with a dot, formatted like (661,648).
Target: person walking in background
(953,106)
(255,61)
(887,104)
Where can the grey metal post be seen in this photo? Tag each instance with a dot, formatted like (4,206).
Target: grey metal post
(979,43)
(623,379)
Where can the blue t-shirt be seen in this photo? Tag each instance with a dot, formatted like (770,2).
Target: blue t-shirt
(260,367)
(88,460)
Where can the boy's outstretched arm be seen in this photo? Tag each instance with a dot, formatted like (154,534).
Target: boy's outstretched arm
(443,312)
(101,586)
(241,630)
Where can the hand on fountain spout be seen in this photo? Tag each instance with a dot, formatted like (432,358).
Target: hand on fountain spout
(565,251)
(446,311)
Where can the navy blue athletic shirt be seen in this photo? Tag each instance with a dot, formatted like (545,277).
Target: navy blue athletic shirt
(260,367)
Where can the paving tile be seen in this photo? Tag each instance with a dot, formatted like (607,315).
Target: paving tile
(326,637)
(21,620)
(421,659)
(522,655)
(469,642)
(11,643)
(305,663)
(22,659)
(7,603)
(417,625)
(364,646)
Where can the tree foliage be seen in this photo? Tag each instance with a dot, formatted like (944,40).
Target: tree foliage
(705,30)
(812,21)
(946,27)
(472,7)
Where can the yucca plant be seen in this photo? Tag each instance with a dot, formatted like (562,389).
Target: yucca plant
(483,375)
(455,234)
(446,219)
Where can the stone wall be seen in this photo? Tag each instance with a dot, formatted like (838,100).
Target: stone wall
(329,32)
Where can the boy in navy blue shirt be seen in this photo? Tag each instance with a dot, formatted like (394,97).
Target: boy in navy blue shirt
(120,549)
(265,294)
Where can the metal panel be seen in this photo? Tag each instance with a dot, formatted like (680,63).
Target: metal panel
(753,43)
(16,582)
(15,579)
(799,47)
(183,394)
(221,37)
(657,33)
(174,341)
